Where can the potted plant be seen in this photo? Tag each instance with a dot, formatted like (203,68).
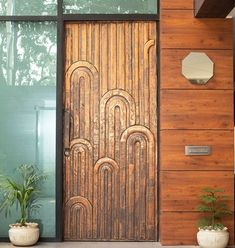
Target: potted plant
(22,193)
(212,233)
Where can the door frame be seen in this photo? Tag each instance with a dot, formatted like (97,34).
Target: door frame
(62,19)
(67,104)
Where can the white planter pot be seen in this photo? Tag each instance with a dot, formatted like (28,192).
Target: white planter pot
(24,235)
(212,238)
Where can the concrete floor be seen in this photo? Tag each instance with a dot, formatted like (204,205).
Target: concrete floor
(101,245)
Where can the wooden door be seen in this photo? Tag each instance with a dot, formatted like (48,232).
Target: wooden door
(110,131)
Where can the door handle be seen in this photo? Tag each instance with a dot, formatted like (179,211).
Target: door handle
(67,133)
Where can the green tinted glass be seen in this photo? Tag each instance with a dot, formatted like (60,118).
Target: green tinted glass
(28,7)
(28,110)
(110,6)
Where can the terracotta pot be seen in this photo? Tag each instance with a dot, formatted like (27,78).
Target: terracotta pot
(24,235)
(213,238)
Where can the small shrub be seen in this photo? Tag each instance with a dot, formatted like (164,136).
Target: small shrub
(214,206)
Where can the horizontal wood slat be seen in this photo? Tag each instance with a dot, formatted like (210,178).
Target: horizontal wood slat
(193,115)
(180,228)
(172,147)
(180,191)
(179,29)
(171,67)
(177,4)
(194,109)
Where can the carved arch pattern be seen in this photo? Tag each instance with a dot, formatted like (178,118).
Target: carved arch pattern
(79,169)
(81,94)
(137,147)
(106,198)
(117,112)
(78,218)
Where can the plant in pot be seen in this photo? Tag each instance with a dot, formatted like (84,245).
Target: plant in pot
(22,193)
(212,233)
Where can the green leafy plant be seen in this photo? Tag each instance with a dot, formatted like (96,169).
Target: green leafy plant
(22,192)
(214,206)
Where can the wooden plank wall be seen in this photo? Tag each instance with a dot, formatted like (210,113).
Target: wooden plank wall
(193,115)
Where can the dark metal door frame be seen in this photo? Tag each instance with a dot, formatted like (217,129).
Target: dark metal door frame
(61,19)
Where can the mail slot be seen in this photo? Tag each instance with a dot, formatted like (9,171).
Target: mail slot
(197,150)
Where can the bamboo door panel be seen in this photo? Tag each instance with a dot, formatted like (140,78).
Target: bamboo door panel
(110,131)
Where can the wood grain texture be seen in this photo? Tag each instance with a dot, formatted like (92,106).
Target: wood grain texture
(193,115)
(195,109)
(110,93)
(172,147)
(182,227)
(180,191)
(171,67)
(177,4)
(179,29)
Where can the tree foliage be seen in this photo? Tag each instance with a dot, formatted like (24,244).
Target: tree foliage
(23,192)
(28,7)
(110,6)
(28,53)
(214,206)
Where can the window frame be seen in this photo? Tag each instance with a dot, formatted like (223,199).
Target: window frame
(60,20)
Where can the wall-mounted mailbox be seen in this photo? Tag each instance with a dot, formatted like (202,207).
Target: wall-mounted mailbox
(197,150)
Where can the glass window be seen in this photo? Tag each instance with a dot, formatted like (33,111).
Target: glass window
(110,6)
(28,7)
(28,109)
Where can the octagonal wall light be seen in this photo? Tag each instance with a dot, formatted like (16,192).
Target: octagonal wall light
(198,68)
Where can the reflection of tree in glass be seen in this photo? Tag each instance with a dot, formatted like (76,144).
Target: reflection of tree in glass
(110,6)
(28,53)
(28,7)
